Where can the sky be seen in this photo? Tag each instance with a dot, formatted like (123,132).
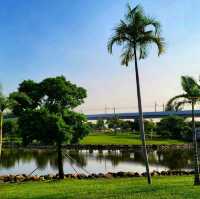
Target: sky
(43,38)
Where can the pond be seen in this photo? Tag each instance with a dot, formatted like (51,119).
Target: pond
(24,161)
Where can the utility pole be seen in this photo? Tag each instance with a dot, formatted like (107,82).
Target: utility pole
(155,106)
(114,119)
(114,110)
(163,107)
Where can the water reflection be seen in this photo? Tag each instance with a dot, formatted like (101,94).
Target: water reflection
(16,161)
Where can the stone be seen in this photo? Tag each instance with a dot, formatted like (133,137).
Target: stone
(42,178)
(120,174)
(19,178)
(136,174)
(108,175)
(129,174)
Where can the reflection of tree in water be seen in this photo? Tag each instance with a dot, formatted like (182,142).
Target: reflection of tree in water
(9,157)
(77,157)
(114,156)
(175,159)
(42,158)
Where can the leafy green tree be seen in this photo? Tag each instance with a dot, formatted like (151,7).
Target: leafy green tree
(45,113)
(190,96)
(114,123)
(135,33)
(100,125)
(148,125)
(4,104)
(173,127)
(78,124)
(91,125)
(136,124)
(10,128)
(126,125)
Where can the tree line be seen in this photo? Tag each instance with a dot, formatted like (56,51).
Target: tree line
(171,127)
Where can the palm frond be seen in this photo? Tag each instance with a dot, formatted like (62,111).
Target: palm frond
(143,51)
(131,12)
(115,40)
(171,104)
(191,87)
(150,21)
(127,56)
(119,36)
(179,105)
(147,39)
(133,31)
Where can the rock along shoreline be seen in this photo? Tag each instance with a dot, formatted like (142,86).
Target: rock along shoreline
(109,175)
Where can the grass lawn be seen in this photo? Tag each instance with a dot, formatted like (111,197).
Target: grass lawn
(124,138)
(180,187)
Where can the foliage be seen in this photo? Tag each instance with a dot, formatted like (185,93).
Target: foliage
(126,125)
(10,127)
(191,94)
(174,127)
(100,125)
(149,125)
(114,123)
(45,111)
(78,124)
(137,31)
(4,104)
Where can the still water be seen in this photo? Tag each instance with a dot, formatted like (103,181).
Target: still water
(24,161)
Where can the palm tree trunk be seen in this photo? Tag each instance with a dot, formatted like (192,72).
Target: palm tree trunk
(195,150)
(60,161)
(1,131)
(141,120)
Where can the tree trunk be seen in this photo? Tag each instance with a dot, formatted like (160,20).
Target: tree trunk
(60,162)
(141,120)
(195,150)
(1,131)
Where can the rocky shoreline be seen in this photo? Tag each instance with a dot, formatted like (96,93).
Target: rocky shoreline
(109,175)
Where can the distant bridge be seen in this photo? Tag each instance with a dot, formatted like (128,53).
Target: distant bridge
(147,115)
(133,115)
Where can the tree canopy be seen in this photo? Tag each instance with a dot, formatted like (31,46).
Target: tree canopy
(191,94)
(137,31)
(45,110)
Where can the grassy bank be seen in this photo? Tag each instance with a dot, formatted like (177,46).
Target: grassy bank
(136,188)
(124,138)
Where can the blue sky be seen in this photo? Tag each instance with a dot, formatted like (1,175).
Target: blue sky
(42,38)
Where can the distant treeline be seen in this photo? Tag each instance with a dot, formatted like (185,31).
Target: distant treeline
(172,127)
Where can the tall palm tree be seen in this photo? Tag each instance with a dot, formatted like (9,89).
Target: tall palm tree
(4,103)
(135,33)
(190,96)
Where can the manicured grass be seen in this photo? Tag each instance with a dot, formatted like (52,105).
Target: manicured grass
(124,138)
(125,188)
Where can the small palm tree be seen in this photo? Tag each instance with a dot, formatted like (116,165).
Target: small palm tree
(4,103)
(190,96)
(135,33)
